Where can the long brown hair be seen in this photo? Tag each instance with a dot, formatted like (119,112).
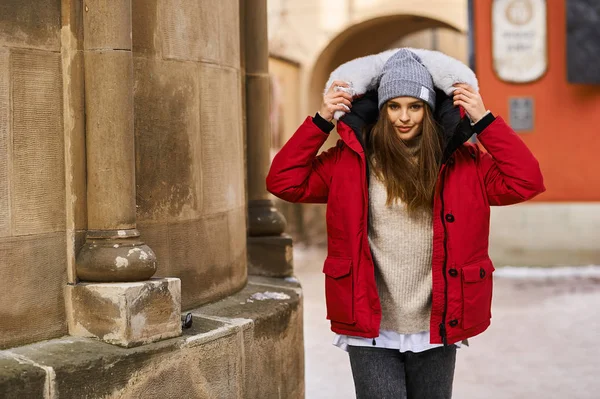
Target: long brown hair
(406,177)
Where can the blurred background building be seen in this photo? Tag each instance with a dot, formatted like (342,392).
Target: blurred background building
(556,110)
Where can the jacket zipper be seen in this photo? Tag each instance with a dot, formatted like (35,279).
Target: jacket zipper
(443,324)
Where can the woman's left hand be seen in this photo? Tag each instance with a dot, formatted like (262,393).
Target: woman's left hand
(466,96)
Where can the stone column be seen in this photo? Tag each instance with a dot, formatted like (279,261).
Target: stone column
(269,250)
(112,235)
(113,308)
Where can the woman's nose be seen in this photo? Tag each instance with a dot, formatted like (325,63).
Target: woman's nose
(404,116)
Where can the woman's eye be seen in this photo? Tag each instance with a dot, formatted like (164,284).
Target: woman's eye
(393,106)
(415,106)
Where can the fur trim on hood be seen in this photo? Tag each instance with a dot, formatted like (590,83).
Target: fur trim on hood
(363,74)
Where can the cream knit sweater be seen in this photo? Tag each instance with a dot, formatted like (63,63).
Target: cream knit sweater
(401,246)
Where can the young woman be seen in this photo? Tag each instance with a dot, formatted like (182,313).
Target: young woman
(408,276)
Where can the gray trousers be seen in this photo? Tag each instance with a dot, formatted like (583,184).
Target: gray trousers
(386,373)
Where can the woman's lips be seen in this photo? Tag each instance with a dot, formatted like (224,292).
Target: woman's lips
(404,129)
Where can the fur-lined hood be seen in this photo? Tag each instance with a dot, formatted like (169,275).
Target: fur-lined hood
(363,74)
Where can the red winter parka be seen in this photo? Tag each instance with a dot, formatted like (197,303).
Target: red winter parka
(469,181)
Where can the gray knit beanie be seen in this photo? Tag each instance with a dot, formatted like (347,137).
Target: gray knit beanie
(404,75)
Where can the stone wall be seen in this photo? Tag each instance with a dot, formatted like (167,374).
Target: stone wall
(33,265)
(189,143)
(189,153)
(240,347)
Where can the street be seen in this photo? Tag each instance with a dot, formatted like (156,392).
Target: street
(542,342)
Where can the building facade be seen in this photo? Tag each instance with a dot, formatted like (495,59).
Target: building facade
(559,227)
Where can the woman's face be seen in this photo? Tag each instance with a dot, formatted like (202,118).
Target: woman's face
(406,114)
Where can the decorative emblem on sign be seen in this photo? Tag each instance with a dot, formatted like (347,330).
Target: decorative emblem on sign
(519,44)
(519,12)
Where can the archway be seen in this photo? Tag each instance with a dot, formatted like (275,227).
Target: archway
(368,37)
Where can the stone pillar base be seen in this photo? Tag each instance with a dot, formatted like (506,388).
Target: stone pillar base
(125,314)
(271,256)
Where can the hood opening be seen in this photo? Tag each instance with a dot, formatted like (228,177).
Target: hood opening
(455,130)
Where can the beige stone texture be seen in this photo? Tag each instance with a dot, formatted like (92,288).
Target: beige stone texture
(74,123)
(109,140)
(258,135)
(30,24)
(274,363)
(236,220)
(168,139)
(32,277)
(190,174)
(255,37)
(208,255)
(37,164)
(145,27)
(222,150)
(5,143)
(125,314)
(241,347)
(107,24)
(200,31)
(74,130)
(285,100)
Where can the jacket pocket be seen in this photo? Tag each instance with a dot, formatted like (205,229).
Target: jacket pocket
(339,289)
(477,292)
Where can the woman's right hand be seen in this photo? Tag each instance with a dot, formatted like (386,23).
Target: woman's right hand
(334,100)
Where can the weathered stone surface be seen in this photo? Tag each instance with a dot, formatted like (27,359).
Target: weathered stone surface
(264,219)
(74,125)
(32,24)
(258,135)
(18,379)
(33,304)
(275,337)
(189,140)
(270,256)
(116,259)
(222,149)
(240,347)
(125,314)
(145,26)
(204,253)
(237,233)
(583,44)
(4,143)
(107,25)
(38,175)
(200,31)
(168,139)
(110,148)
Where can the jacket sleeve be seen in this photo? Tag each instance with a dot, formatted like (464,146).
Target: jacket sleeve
(510,172)
(297,174)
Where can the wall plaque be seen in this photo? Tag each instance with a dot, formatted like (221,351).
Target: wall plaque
(521,113)
(519,43)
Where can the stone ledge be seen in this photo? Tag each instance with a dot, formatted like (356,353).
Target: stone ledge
(254,335)
(125,314)
(20,379)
